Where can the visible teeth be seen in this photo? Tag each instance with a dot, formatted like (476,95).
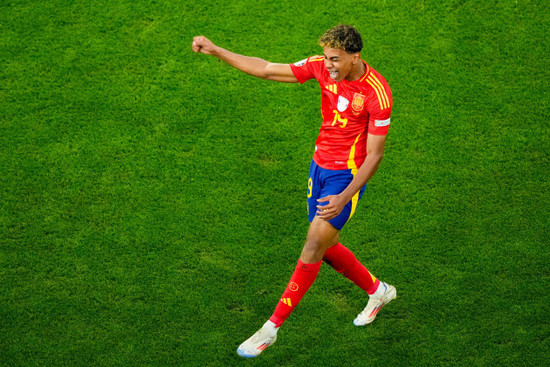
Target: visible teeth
(333,74)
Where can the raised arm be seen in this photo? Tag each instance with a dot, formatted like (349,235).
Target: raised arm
(251,65)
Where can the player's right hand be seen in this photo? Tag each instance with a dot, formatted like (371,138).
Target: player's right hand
(204,45)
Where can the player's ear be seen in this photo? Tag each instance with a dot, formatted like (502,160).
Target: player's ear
(356,57)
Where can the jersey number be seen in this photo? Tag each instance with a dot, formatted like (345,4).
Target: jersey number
(339,119)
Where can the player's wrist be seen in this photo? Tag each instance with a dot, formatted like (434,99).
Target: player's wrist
(216,51)
(347,195)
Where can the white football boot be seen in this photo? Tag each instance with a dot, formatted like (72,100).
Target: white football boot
(375,304)
(257,343)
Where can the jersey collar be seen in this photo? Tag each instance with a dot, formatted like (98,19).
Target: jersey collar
(367,71)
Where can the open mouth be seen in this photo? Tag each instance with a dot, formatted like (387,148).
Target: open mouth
(333,74)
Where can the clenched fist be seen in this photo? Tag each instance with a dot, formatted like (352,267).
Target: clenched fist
(204,45)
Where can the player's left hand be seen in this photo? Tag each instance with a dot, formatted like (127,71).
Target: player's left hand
(334,207)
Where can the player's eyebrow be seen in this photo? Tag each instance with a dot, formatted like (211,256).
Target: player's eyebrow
(331,58)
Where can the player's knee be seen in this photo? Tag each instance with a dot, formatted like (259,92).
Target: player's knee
(312,252)
(311,256)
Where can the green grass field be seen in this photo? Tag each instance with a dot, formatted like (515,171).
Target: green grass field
(153,200)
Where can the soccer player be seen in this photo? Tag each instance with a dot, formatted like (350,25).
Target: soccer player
(356,103)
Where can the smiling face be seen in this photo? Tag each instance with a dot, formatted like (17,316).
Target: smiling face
(342,65)
(342,45)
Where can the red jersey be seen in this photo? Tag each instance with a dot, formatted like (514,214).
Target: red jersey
(350,110)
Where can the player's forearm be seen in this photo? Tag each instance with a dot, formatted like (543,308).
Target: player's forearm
(363,175)
(250,65)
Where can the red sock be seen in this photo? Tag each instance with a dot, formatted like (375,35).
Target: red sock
(303,277)
(344,262)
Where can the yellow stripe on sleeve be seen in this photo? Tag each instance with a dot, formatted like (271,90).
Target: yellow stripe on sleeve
(383,93)
(316,58)
(377,93)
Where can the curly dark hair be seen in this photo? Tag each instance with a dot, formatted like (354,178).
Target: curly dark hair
(343,37)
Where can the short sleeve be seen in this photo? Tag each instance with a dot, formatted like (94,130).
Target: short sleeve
(380,107)
(379,124)
(302,70)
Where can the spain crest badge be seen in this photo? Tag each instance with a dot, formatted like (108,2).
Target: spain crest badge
(358,103)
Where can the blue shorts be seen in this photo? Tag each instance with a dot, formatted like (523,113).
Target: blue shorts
(324,182)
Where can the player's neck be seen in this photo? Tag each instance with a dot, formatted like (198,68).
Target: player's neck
(357,72)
